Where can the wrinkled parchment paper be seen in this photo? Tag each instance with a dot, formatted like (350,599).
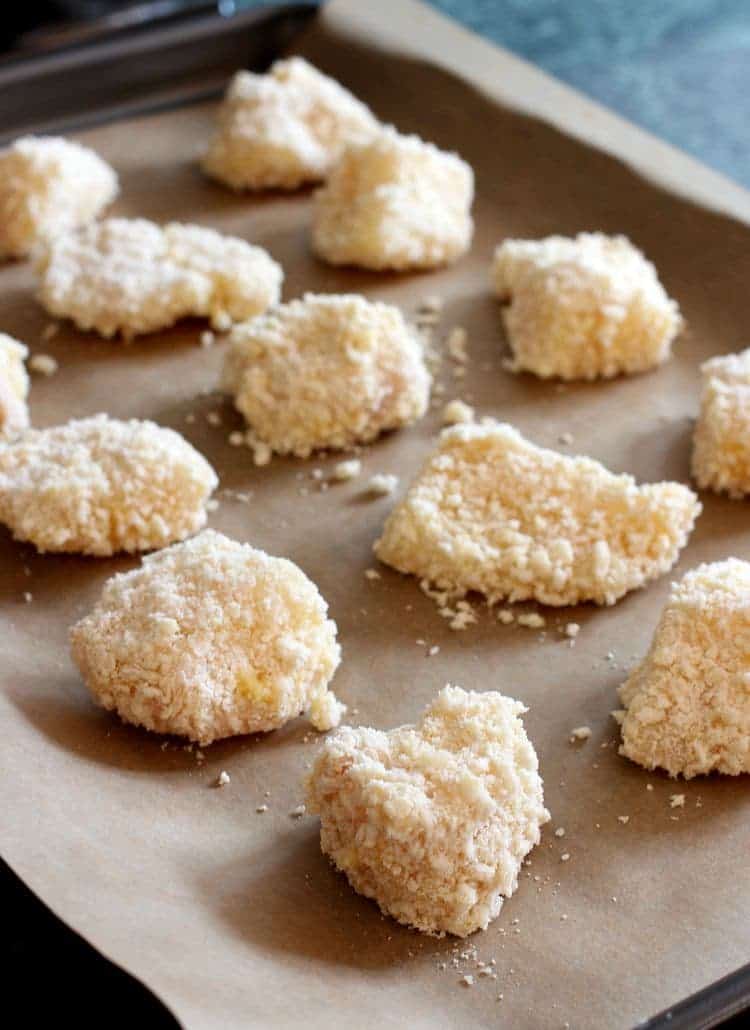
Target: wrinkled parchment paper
(232,917)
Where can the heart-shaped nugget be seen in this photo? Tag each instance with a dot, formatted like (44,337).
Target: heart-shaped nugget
(433,821)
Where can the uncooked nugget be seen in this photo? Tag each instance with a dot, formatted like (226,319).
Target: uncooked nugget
(494,513)
(49,185)
(209,639)
(285,128)
(98,486)
(583,308)
(131,276)
(395,202)
(433,821)
(686,707)
(327,371)
(721,444)
(14,387)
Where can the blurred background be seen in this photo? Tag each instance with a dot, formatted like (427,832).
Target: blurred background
(680,68)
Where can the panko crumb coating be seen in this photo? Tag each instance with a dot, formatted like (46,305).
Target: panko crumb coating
(394,203)
(494,513)
(14,387)
(721,443)
(686,706)
(99,486)
(208,639)
(49,185)
(585,308)
(285,128)
(433,821)
(131,276)
(326,371)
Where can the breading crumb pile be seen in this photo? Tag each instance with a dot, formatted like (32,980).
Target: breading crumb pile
(433,821)
(285,128)
(492,512)
(721,444)
(131,276)
(209,639)
(49,185)
(14,387)
(583,308)
(396,202)
(98,486)
(326,371)
(686,707)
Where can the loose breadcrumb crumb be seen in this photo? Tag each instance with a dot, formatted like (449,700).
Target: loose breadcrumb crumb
(44,364)
(394,203)
(532,620)
(572,629)
(457,411)
(686,706)
(326,371)
(223,779)
(285,128)
(505,616)
(99,485)
(456,344)
(14,387)
(677,801)
(492,512)
(721,443)
(433,821)
(131,276)
(49,185)
(580,733)
(583,308)
(209,639)
(346,470)
(382,484)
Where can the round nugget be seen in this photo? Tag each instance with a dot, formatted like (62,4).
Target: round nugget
(395,202)
(98,486)
(14,387)
(433,821)
(49,185)
(493,513)
(583,308)
(285,128)
(326,371)
(209,639)
(131,276)
(686,707)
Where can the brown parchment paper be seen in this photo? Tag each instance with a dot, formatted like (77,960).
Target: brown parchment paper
(234,918)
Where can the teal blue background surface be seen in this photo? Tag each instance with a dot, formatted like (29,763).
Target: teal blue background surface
(680,68)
